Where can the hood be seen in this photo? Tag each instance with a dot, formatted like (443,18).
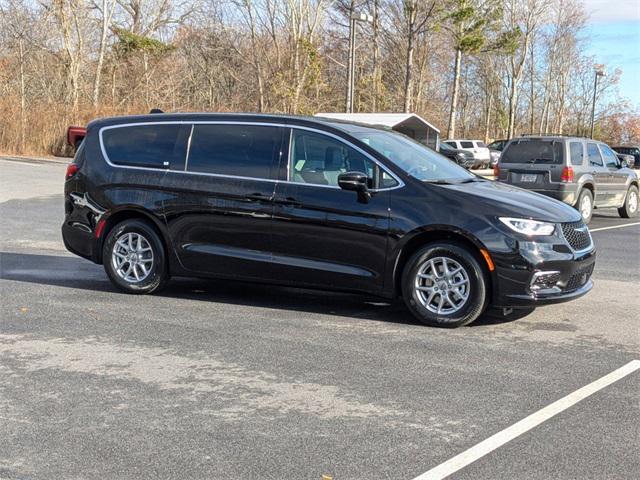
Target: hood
(509,201)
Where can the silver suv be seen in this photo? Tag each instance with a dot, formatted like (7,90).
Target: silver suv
(581,172)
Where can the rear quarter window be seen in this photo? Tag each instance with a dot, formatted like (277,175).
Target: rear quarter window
(534,152)
(151,146)
(576,150)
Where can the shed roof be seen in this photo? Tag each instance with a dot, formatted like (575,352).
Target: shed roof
(386,119)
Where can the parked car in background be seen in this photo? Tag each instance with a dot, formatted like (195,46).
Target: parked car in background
(75,135)
(581,172)
(495,149)
(497,145)
(626,160)
(630,150)
(315,203)
(461,157)
(476,147)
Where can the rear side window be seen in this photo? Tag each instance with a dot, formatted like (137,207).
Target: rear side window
(235,150)
(466,144)
(577,153)
(151,146)
(533,151)
(480,145)
(594,155)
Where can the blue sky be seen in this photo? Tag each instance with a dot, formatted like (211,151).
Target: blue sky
(613,33)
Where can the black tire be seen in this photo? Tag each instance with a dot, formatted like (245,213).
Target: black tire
(468,311)
(158,273)
(581,198)
(630,207)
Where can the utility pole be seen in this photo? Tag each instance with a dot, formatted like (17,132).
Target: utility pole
(351,64)
(599,72)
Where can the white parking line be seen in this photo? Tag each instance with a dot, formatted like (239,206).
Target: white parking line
(615,226)
(486,446)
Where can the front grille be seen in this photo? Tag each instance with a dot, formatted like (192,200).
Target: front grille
(577,235)
(579,278)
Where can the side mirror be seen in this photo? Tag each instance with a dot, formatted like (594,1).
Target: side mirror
(623,162)
(356,182)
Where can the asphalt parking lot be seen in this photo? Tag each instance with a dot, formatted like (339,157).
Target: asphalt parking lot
(213,379)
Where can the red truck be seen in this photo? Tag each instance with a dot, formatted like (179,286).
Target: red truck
(75,135)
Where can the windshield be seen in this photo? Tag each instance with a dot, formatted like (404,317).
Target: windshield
(413,157)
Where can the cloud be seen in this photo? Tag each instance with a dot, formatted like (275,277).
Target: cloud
(612,10)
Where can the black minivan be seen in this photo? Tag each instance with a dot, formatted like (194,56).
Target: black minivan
(315,203)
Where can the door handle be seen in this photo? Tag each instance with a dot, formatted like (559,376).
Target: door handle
(258,197)
(288,201)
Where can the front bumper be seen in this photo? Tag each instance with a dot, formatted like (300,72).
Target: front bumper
(515,274)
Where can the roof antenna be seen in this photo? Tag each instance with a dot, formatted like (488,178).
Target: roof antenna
(155,110)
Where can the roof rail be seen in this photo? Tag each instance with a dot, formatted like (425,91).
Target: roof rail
(552,135)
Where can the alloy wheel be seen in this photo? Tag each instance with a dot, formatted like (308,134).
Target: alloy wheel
(633,201)
(132,257)
(585,207)
(442,285)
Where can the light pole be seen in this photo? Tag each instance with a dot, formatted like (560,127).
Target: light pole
(598,73)
(351,64)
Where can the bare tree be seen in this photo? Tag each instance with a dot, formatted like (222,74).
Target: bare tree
(525,17)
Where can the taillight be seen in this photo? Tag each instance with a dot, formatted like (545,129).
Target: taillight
(72,169)
(496,171)
(567,174)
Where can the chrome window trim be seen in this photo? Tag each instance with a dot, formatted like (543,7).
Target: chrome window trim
(186,157)
(193,123)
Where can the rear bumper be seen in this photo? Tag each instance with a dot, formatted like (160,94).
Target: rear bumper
(79,240)
(565,193)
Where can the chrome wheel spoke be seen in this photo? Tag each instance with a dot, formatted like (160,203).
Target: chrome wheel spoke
(440,303)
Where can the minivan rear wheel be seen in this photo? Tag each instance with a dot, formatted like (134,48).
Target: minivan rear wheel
(585,205)
(443,285)
(134,258)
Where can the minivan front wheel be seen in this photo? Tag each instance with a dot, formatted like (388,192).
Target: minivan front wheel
(134,257)
(443,285)
(630,207)
(585,204)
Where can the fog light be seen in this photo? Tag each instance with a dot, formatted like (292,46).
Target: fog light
(544,280)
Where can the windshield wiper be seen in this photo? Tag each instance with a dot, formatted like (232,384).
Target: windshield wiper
(439,182)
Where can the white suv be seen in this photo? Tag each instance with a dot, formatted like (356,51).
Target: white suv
(477,147)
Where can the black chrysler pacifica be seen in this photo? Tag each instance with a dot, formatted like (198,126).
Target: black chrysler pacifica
(315,203)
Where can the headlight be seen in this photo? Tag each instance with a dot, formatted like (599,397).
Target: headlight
(528,227)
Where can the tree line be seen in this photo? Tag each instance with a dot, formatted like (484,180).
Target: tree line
(485,69)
